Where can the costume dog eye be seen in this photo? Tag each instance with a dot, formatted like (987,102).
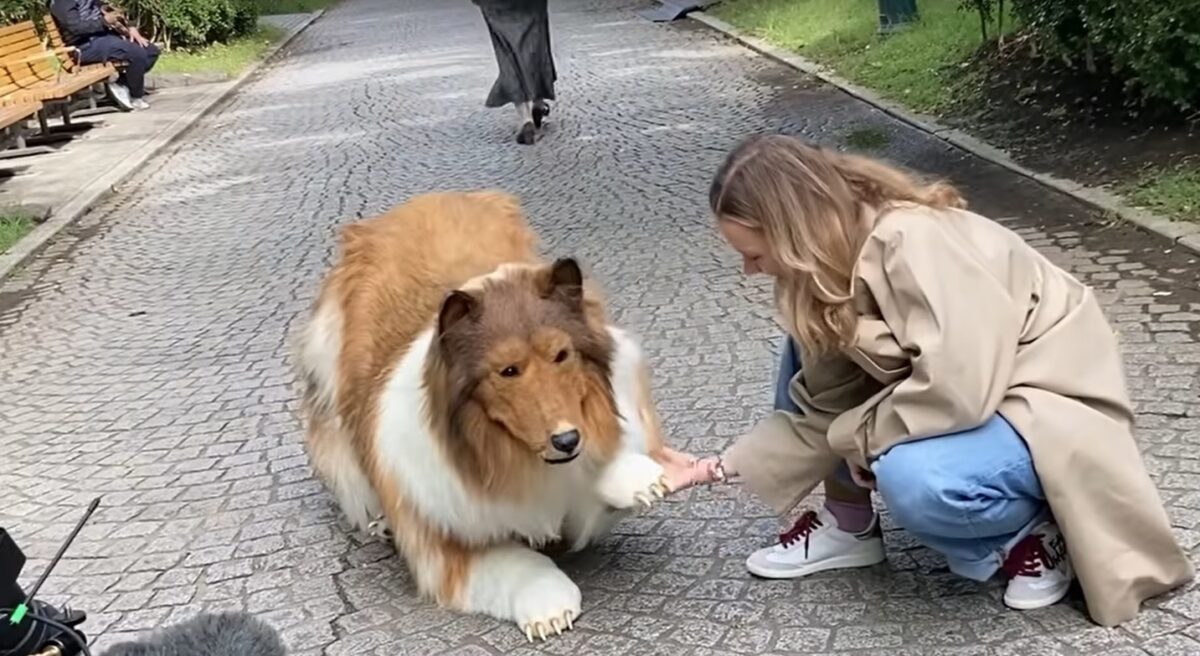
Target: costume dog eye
(562,356)
(510,372)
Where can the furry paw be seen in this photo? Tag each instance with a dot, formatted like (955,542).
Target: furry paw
(632,480)
(547,605)
(379,529)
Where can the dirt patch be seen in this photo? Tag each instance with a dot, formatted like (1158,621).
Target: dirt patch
(1057,119)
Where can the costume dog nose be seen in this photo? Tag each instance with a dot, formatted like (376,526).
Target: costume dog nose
(566,442)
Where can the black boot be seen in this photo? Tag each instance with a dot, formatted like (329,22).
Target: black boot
(527,135)
(540,111)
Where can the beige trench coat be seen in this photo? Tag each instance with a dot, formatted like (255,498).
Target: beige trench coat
(960,319)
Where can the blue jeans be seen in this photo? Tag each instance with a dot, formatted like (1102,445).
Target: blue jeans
(969,496)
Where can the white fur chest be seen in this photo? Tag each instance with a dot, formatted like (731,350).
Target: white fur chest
(626,362)
(409,451)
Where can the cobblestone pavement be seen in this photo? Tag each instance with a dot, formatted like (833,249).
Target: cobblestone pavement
(144,354)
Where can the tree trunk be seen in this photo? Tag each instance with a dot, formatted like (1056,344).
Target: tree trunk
(1000,24)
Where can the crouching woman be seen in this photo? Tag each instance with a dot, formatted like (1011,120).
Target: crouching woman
(936,358)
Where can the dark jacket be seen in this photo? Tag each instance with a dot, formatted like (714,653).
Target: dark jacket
(78,20)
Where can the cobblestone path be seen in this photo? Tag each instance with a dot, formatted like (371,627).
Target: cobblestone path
(144,355)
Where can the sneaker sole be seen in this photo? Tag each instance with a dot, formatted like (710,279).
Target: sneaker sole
(1034,604)
(840,562)
(123,106)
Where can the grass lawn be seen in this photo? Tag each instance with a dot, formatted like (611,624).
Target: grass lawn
(920,66)
(1174,193)
(270,7)
(230,58)
(12,228)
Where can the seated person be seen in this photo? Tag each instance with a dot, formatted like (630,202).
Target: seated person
(102,34)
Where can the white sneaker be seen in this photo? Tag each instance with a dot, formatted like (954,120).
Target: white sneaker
(816,544)
(120,95)
(139,104)
(1039,569)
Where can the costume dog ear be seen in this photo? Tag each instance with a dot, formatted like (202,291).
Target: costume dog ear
(457,305)
(564,282)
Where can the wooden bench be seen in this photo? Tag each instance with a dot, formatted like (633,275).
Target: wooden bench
(32,72)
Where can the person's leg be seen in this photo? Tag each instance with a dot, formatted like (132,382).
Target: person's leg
(975,498)
(844,533)
(106,48)
(789,366)
(100,49)
(112,48)
(152,53)
(526,133)
(137,62)
(847,502)
(541,109)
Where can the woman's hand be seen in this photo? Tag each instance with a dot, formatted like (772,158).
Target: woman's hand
(683,470)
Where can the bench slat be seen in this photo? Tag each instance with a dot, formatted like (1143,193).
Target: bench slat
(13,114)
(20,40)
(17,28)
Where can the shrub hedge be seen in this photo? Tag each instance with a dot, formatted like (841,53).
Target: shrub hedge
(191,23)
(1152,44)
(15,11)
(174,23)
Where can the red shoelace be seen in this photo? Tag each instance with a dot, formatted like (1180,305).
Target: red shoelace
(801,530)
(1030,557)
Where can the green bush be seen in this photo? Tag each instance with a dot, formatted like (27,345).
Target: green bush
(192,23)
(1152,44)
(15,11)
(174,23)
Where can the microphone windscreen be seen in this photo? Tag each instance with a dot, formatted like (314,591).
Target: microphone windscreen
(207,634)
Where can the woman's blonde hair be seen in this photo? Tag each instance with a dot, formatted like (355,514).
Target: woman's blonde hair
(810,204)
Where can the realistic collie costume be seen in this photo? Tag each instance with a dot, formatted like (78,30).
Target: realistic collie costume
(476,402)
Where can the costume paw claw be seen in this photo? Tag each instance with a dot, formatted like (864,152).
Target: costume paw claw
(541,630)
(379,529)
(546,605)
(633,481)
(656,491)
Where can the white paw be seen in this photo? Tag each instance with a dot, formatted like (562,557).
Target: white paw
(547,605)
(631,480)
(379,529)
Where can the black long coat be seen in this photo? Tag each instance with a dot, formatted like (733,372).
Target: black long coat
(520,31)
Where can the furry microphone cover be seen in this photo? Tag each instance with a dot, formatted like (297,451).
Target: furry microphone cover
(209,634)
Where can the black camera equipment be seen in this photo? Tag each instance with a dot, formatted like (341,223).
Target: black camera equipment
(31,627)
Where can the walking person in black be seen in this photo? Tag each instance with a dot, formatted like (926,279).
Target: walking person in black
(520,31)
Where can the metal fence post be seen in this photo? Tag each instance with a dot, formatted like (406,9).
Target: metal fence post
(896,14)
